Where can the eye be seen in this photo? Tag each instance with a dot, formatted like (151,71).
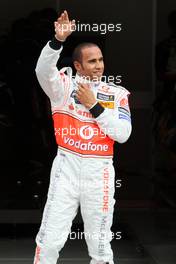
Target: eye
(92,61)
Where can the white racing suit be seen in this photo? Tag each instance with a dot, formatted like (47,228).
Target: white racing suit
(82,173)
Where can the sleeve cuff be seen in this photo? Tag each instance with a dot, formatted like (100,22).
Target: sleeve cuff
(55,44)
(93,105)
(96,110)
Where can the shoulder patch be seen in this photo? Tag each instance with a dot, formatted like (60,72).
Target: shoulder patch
(112,84)
(118,87)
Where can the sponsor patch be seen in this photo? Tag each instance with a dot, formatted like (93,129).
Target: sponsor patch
(124,111)
(109,105)
(122,116)
(106,89)
(73,95)
(123,102)
(105,97)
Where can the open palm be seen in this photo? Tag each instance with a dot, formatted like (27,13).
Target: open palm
(63,26)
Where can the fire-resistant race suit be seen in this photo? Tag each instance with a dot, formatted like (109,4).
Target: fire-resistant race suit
(82,172)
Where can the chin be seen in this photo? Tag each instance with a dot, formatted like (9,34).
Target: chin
(97,77)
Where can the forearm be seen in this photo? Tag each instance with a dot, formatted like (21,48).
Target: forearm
(55,43)
(46,64)
(47,72)
(117,128)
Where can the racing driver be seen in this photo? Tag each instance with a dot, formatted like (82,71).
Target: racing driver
(88,115)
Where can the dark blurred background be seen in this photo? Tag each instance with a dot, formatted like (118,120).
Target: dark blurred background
(144,55)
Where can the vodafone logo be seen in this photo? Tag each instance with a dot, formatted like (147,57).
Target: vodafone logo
(90,146)
(86,132)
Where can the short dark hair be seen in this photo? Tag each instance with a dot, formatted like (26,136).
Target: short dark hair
(77,53)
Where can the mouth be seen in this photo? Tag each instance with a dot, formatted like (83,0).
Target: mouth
(97,72)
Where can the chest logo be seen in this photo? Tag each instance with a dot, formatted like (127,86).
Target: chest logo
(86,132)
(109,105)
(80,111)
(105,97)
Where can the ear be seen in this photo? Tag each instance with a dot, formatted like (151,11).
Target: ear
(77,65)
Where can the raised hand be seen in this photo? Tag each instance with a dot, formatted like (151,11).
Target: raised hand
(63,26)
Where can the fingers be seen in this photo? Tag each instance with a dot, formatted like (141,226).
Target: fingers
(72,25)
(78,92)
(82,90)
(66,15)
(63,17)
(60,18)
(83,86)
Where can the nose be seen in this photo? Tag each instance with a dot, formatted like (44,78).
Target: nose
(98,65)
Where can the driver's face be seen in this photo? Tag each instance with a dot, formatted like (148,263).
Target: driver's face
(92,64)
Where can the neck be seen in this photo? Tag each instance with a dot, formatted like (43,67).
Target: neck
(87,79)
